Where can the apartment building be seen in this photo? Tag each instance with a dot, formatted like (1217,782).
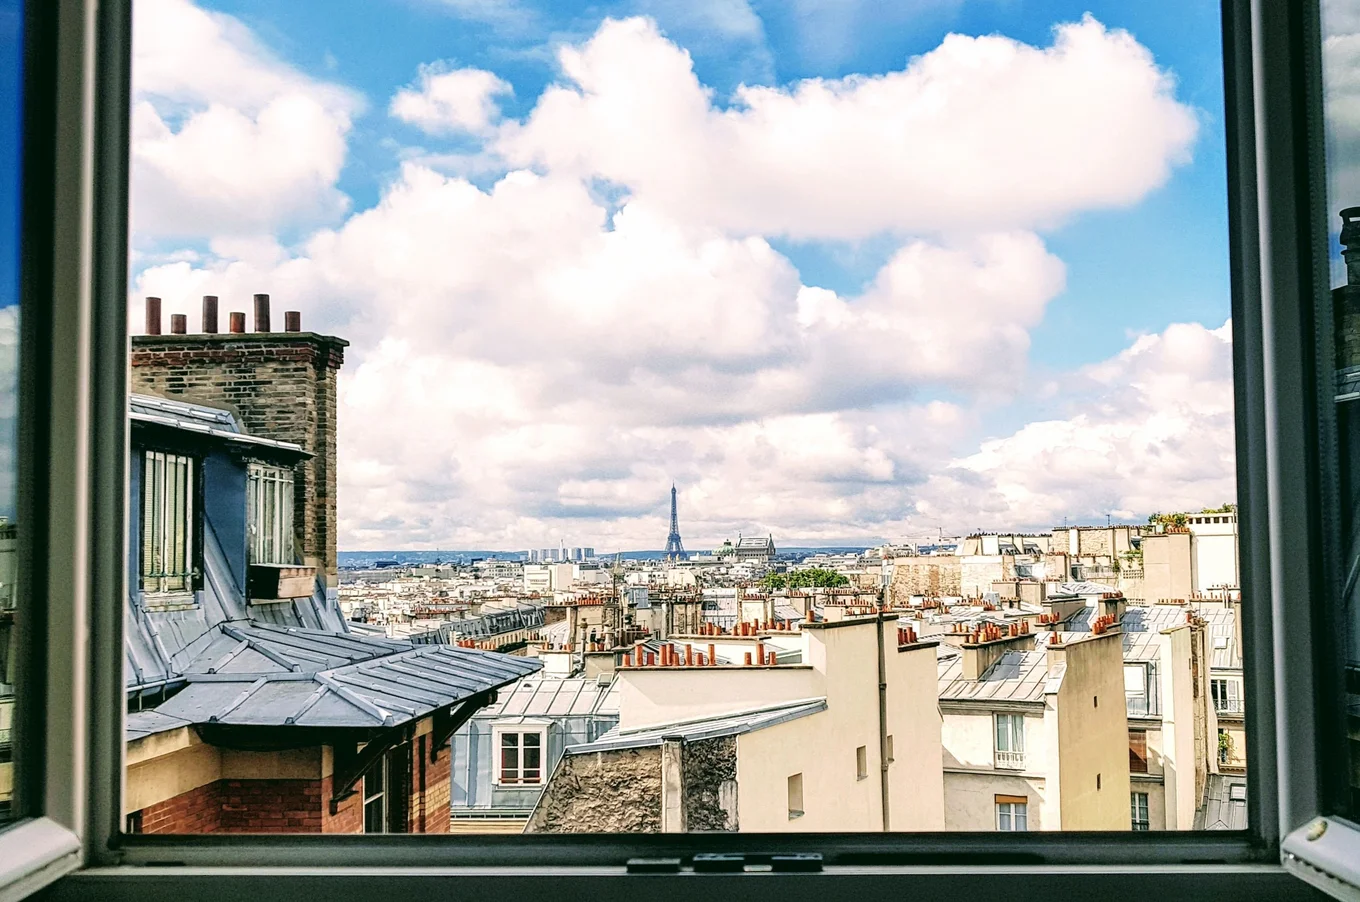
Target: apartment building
(502,758)
(833,727)
(1034,731)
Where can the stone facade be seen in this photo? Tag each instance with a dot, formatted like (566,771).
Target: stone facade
(710,785)
(932,575)
(605,792)
(283,385)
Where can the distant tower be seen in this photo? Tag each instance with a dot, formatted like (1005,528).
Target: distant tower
(675,550)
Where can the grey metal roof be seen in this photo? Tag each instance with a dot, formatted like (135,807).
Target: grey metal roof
(542,697)
(141,724)
(201,419)
(1348,383)
(733,724)
(1019,675)
(1082,587)
(1225,803)
(377,692)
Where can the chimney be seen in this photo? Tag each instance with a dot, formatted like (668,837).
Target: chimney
(261,313)
(210,314)
(153,316)
(1350,243)
(283,386)
(179,324)
(986,646)
(292,321)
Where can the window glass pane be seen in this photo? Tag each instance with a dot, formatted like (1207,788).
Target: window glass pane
(1341,92)
(11,47)
(636,351)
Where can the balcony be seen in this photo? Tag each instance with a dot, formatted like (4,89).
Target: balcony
(1010,760)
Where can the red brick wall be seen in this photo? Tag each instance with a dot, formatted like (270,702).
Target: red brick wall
(299,806)
(195,811)
(269,806)
(349,816)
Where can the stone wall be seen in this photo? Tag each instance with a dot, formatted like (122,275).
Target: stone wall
(709,768)
(926,575)
(604,792)
(283,385)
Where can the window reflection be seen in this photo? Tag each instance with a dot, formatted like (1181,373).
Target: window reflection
(10,71)
(1341,100)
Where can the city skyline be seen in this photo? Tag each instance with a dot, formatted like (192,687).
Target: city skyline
(576,255)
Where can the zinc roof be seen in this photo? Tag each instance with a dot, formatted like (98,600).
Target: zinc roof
(1225,803)
(535,696)
(199,418)
(733,724)
(373,693)
(1019,675)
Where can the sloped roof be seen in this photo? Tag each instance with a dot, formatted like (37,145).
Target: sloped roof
(202,420)
(1019,675)
(378,692)
(733,724)
(1225,803)
(538,697)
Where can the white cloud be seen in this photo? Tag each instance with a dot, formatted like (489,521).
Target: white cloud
(980,133)
(1153,432)
(450,100)
(225,138)
(531,361)
(9,391)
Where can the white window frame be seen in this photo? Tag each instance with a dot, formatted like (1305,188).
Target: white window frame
(1229,701)
(1138,804)
(169,513)
(1012,736)
(1012,817)
(498,732)
(269,514)
(80,736)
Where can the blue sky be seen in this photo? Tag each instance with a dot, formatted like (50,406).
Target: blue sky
(805,384)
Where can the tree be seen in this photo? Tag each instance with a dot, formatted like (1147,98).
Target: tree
(1168,519)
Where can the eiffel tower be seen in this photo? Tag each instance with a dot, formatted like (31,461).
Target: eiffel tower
(675,551)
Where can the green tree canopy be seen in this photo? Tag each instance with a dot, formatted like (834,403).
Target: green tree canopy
(813,577)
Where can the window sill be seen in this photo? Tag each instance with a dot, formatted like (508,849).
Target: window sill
(34,854)
(162,602)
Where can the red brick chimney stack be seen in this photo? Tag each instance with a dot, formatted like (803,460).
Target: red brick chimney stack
(209,313)
(238,322)
(153,316)
(261,313)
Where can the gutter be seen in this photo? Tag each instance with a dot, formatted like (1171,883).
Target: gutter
(882,724)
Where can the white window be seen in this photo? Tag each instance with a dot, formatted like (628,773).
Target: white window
(386,791)
(1012,814)
(1227,696)
(795,796)
(167,523)
(1138,807)
(1140,689)
(269,513)
(862,763)
(1010,740)
(521,758)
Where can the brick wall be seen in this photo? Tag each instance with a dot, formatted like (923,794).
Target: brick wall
(195,811)
(349,816)
(270,806)
(283,384)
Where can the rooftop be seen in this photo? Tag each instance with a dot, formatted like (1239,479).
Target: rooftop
(702,728)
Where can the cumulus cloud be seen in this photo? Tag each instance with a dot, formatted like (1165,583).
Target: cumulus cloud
(536,357)
(443,100)
(225,138)
(982,132)
(1154,432)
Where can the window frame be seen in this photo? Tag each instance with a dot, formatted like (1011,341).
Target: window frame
(191,536)
(1135,809)
(498,734)
(83,772)
(1017,760)
(260,476)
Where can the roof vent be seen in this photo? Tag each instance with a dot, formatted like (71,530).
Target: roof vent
(603,680)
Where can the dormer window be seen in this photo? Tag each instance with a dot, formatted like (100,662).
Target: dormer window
(269,501)
(167,523)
